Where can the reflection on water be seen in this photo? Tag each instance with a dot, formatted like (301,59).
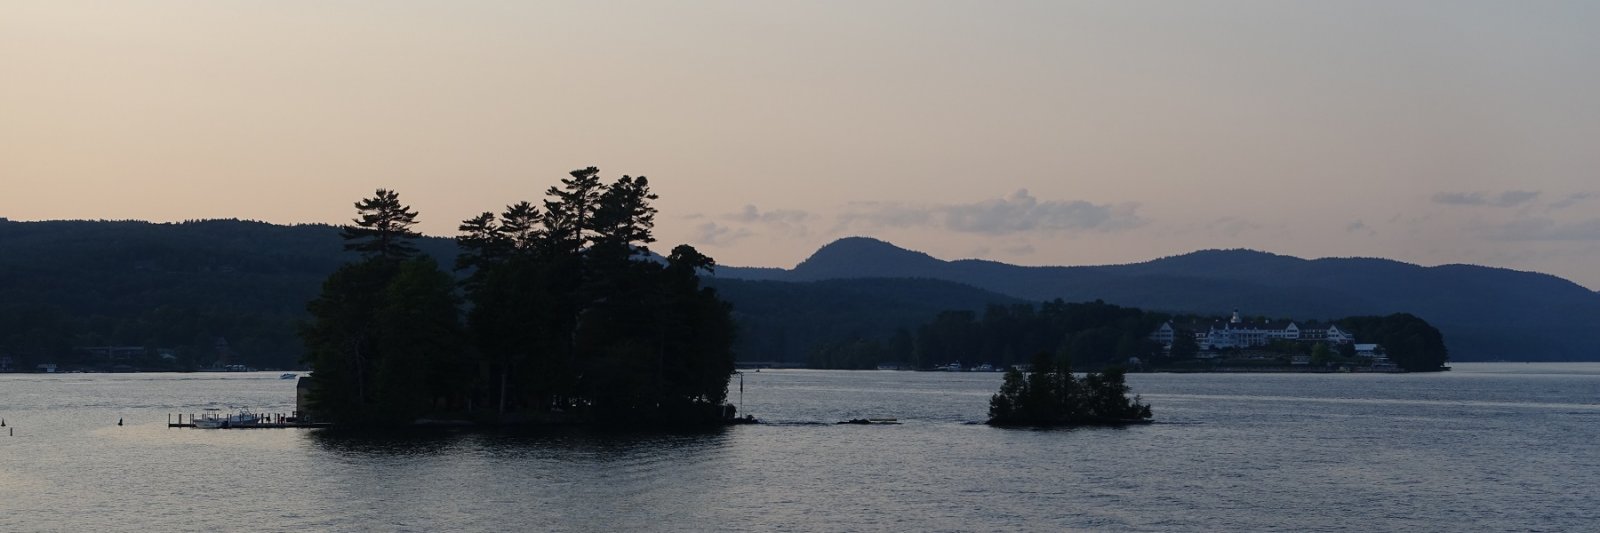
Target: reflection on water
(515,441)
(427,441)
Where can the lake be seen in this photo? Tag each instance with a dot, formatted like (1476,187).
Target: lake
(1487,447)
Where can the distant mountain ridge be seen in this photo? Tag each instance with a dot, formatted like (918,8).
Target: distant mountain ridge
(1485,313)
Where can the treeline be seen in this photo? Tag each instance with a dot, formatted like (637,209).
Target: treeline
(1409,341)
(786,321)
(205,292)
(565,317)
(1088,335)
(173,337)
(1094,335)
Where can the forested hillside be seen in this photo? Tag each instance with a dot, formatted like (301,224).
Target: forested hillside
(207,290)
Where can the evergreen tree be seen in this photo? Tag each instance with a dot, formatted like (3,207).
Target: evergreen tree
(570,209)
(382,228)
(384,341)
(565,317)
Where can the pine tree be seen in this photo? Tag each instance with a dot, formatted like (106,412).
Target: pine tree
(383,228)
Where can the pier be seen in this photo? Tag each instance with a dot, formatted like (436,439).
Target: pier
(246,420)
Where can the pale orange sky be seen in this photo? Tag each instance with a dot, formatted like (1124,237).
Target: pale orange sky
(1029,132)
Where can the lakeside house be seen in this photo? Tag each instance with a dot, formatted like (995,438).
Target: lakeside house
(1236,332)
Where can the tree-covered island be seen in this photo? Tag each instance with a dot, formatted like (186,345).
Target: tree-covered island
(1050,395)
(562,315)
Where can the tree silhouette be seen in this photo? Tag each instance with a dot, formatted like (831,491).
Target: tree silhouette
(382,228)
(565,315)
(384,340)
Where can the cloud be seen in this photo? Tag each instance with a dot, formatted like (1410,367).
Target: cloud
(1543,229)
(1359,227)
(714,234)
(1018,213)
(1232,226)
(786,222)
(751,214)
(1573,199)
(885,215)
(1504,199)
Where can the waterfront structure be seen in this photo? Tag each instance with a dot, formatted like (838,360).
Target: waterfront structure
(1236,332)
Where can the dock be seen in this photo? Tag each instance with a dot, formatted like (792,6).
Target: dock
(263,421)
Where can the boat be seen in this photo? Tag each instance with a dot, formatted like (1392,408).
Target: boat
(214,419)
(287,375)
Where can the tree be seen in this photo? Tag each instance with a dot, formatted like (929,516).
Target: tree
(384,341)
(570,209)
(625,220)
(1321,354)
(566,317)
(382,228)
(1183,344)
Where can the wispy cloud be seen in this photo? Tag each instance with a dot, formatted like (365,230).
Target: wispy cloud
(1358,226)
(786,222)
(1018,213)
(1232,226)
(751,221)
(1504,199)
(1573,199)
(714,234)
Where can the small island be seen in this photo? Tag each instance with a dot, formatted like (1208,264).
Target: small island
(560,315)
(1049,395)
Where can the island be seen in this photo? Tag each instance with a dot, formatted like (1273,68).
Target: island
(562,315)
(1050,395)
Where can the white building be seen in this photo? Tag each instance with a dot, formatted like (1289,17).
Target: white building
(1238,333)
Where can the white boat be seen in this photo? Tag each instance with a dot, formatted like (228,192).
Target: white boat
(288,375)
(214,419)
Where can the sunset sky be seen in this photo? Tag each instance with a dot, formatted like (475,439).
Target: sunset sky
(1041,133)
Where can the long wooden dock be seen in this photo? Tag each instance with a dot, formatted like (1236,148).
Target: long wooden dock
(265,421)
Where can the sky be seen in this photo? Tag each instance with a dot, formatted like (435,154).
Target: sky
(1036,133)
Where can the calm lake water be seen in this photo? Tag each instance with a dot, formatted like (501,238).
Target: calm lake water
(1488,447)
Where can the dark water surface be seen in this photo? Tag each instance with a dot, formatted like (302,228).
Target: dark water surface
(1488,447)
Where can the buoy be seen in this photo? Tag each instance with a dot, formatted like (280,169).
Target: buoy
(2,422)
(119,420)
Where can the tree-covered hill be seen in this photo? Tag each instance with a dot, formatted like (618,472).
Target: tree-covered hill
(786,321)
(206,289)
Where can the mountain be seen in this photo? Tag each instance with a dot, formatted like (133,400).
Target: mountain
(1485,313)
